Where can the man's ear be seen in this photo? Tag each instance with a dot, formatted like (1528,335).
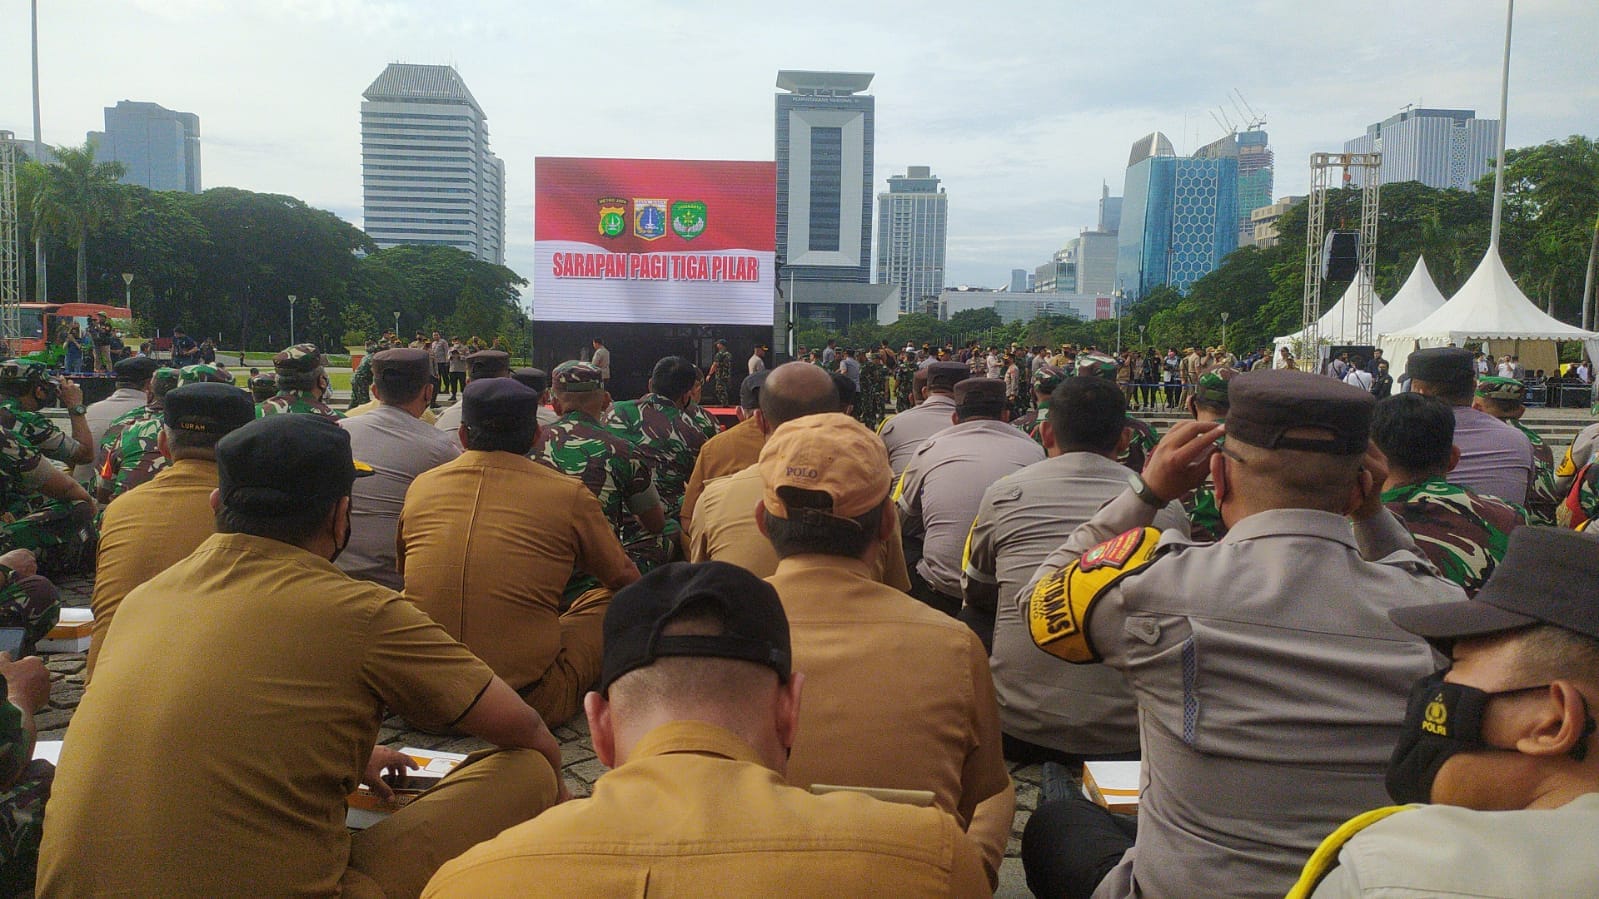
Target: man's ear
(1220,486)
(602,733)
(761,423)
(1047,434)
(1561,725)
(760,518)
(1124,441)
(161,445)
(1454,457)
(886,523)
(787,712)
(216,500)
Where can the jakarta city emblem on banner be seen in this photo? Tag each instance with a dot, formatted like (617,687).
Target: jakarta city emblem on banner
(613,217)
(649,218)
(688,218)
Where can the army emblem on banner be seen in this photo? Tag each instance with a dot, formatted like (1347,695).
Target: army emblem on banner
(649,218)
(688,218)
(613,217)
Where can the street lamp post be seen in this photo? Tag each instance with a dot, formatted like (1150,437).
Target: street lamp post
(396,324)
(292,298)
(1224,332)
(1118,295)
(127,285)
(1141,343)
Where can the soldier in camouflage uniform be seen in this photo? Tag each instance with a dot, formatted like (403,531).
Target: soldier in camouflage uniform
(131,444)
(873,386)
(1505,399)
(721,376)
(666,428)
(302,384)
(22,804)
(43,510)
(1209,403)
(905,383)
(26,388)
(361,379)
(579,445)
(1045,380)
(1462,532)
(1092,363)
(264,386)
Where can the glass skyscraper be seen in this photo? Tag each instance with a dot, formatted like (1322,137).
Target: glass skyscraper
(1439,147)
(427,176)
(1179,217)
(911,231)
(824,176)
(159,147)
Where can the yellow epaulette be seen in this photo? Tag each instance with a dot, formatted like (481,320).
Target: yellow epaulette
(1325,858)
(1058,609)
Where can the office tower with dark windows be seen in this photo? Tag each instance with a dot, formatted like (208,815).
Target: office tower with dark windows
(824,176)
(911,229)
(1179,216)
(1441,148)
(159,148)
(427,175)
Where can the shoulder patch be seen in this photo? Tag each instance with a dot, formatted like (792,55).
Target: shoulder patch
(1059,606)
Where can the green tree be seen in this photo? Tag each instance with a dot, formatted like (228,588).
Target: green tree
(71,197)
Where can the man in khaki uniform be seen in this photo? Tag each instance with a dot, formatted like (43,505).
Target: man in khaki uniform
(150,529)
(731,451)
(695,714)
(1270,682)
(900,695)
(726,530)
(902,434)
(237,702)
(480,366)
(488,541)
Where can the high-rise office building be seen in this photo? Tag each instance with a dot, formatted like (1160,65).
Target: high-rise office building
(158,147)
(1255,173)
(911,229)
(1110,210)
(427,175)
(1438,147)
(1179,217)
(824,176)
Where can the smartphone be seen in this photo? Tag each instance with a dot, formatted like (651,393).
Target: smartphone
(11,641)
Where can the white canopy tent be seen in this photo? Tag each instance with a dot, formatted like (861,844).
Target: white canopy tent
(1336,325)
(1489,308)
(1417,298)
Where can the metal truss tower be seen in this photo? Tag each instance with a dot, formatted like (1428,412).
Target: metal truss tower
(1361,168)
(10,253)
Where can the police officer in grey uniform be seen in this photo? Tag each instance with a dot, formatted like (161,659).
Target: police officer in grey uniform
(1495,458)
(1271,684)
(1051,711)
(904,432)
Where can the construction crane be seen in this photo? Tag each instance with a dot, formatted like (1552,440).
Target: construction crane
(1253,120)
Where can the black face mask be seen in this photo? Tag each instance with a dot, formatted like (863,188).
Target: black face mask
(1441,719)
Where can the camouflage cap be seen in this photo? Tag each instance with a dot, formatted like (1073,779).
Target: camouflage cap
(1047,378)
(578,377)
(23,371)
(1212,387)
(264,381)
(166,378)
(302,358)
(204,374)
(1497,388)
(1093,363)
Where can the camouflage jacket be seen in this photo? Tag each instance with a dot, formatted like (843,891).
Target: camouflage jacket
(1145,436)
(580,446)
(1459,530)
(18,462)
(667,439)
(361,382)
(39,432)
(131,451)
(297,402)
(1030,422)
(723,363)
(1204,516)
(1542,498)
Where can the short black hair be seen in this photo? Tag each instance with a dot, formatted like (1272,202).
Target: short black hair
(1414,431)
(1087,415)
(849,393)
(673,376)
(489,440)
(811,528)
(294,529)
(398,391)
(181,439)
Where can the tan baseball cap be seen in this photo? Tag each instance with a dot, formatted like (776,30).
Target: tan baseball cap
(831,453)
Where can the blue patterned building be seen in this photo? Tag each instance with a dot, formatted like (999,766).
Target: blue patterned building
(1179,217)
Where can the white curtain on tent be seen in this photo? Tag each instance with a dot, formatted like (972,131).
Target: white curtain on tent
(1336,325)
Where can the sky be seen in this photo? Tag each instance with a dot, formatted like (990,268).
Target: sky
(1022,108)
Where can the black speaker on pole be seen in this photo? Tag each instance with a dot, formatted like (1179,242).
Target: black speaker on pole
(1340,256)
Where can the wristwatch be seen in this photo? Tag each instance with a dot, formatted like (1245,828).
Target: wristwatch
(1142,491)
(6,574)
(79,409)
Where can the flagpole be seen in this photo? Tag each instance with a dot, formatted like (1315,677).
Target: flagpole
(1504,105)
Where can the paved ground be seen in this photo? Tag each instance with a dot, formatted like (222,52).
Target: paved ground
(581,766)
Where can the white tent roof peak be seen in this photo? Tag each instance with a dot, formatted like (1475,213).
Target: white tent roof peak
(1337,325)
(1490,306)
(1417,298)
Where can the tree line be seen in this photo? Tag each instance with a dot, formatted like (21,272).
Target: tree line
(223,263)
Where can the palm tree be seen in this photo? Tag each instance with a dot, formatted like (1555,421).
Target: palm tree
(71,197)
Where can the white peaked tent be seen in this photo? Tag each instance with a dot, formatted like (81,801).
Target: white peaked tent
(1416,299)
(1336,325)
(1489,308)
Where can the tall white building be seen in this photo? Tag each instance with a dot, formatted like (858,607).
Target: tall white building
(1438,147)
(911,231)
(427,175)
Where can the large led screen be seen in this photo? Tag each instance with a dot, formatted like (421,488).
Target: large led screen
(654,240)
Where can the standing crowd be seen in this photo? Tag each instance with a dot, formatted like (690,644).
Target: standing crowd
(807,644)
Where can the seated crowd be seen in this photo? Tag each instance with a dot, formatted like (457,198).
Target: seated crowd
(808,653)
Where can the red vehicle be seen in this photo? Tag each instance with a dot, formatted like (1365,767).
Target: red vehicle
(43,325)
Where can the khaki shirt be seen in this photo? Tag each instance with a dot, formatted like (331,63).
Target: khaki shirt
(729,452)
(943,485)
(903,433)
(234,708)
(1270,683)
(144,532)
(897,694)
(1080,709)
(398,447)
(488,541)
(725,530)
(693,812)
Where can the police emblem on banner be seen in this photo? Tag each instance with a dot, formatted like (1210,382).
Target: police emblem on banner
(649,218)
(613,217)
(688,218)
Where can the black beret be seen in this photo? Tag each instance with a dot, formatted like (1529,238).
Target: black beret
(1267,403)
(285,464)
(535,378)
(749,392)
(488,364)
(135,369)
(499,404)
(1441,365)
(207,408)
(945,375)
(402,366)
(980,391)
